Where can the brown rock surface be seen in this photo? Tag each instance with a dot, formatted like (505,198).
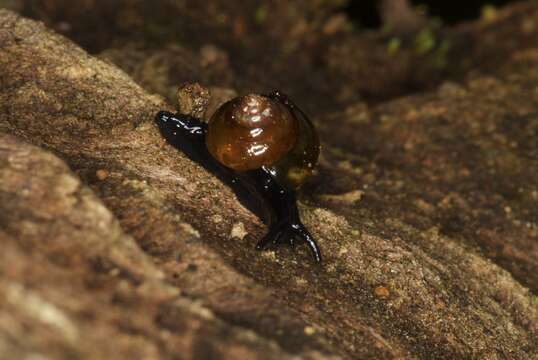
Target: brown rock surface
(433,255)
(74,285)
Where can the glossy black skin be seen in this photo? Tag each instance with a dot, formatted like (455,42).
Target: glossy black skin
(279,208)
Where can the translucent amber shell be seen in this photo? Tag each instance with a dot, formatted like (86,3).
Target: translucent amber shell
(251,131)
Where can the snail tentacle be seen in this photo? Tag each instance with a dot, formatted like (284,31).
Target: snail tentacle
(184,124)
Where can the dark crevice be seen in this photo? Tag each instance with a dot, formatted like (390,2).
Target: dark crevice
(365,14)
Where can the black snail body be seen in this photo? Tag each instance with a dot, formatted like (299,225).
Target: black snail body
(263,143)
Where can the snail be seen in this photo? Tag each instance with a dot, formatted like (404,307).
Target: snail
(262,143)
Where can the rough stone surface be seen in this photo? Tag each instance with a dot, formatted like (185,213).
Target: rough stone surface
(115,244)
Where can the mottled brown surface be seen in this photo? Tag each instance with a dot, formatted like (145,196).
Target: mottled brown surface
(75,286)
(425,209)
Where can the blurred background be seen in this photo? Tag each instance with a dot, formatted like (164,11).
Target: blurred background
(335,51)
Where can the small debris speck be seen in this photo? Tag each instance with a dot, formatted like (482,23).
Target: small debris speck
(238,231)
(345,198)
(216,218)
(309,330)
(101,174)
(381,292)
(190,230)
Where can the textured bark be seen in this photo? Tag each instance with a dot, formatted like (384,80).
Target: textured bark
(425,209)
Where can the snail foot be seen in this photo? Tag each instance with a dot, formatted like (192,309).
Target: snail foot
(287,232)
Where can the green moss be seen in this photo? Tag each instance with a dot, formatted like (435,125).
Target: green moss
(393,46)
(386,30)
(424,41)
(260,15)
(436,49)
(439,56)
(488,13)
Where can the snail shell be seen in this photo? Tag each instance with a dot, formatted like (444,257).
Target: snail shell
(254,131)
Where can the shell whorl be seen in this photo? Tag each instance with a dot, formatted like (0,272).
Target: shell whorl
(251,131)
